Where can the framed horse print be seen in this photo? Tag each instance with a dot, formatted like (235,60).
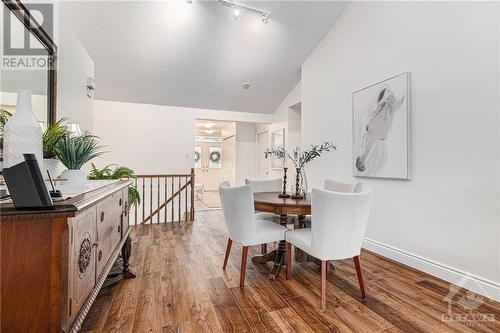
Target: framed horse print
(382,129)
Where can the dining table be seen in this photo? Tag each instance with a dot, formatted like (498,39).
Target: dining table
(271,202)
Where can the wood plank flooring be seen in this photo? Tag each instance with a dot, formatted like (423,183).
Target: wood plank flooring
(181,287)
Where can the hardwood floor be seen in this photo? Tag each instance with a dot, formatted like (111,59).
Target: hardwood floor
(209,200)
(181,287)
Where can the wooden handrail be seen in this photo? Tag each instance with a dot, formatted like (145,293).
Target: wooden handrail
(157,186)
(165,176)
(157,210)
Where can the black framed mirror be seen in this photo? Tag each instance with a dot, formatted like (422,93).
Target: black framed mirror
(42,80)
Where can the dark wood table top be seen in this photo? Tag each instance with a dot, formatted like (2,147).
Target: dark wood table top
(272,203)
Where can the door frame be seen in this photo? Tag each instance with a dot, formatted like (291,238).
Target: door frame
(257,159)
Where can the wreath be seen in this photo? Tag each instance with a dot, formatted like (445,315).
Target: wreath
(215,156)
(196,156)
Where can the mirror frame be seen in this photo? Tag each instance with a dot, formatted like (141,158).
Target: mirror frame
(275,144)
(29,22)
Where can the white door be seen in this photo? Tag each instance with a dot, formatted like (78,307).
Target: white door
(263,164)
(210,172)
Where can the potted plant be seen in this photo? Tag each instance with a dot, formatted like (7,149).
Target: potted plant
(4,116)
(74,152)
(300,159)
(54,133)
(119,172)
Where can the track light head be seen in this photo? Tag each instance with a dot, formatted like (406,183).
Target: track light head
(236,12)
(237,7)
(265,17)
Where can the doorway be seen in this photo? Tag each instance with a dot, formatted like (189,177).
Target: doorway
(214,160)
(263,165)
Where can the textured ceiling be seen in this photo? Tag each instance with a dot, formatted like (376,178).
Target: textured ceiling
(198,55)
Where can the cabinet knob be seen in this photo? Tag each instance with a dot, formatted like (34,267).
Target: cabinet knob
(120,202)
(102,216)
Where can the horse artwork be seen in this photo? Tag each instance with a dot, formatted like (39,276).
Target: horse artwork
(382,129)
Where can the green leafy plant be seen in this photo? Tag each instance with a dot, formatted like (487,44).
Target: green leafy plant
(74,152)
(301,158)
(54,133)
(4,116)
(119,172)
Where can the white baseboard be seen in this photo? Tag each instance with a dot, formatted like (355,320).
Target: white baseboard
(465,280)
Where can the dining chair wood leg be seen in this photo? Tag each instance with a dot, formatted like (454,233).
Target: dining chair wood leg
(324,271)
(357,263)
(288,261)
(228,250)
(263,248)
(243,270)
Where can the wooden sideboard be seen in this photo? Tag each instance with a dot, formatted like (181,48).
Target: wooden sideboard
(53,263)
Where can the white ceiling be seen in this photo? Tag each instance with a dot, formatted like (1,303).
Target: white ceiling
(198,55)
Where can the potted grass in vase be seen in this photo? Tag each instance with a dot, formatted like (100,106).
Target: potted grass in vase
(54,133)
(74,152)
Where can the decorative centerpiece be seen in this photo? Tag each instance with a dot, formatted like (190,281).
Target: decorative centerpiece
(299,159)
(74,152)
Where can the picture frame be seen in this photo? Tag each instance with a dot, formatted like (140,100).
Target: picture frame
(382,130)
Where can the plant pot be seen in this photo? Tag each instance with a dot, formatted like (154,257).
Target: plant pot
(53,166)
(75,181)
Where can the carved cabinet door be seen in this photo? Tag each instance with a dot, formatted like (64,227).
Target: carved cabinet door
(109,215)
(83,244)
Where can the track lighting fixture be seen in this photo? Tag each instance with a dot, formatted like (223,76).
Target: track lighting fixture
(237,10)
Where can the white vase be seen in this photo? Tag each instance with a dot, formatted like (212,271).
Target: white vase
(22,133)
(75,181)
(53,166)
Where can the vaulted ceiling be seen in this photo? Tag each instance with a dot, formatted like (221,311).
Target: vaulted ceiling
(198,54)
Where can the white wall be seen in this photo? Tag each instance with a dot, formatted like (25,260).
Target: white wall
(74,66)
(154,138)
(228,159)
(448,213)
(246,148)
(280,120)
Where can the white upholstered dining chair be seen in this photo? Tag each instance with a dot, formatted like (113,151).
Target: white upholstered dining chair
(337,231)
(243,228)
(335,186)
(266,185)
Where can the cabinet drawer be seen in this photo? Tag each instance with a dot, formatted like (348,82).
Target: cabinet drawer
(109,214)
(82,260)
